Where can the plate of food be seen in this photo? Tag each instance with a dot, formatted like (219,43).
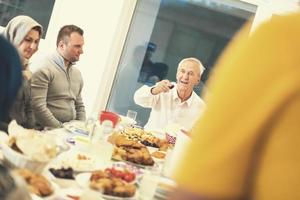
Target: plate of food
(147,138)
(37,184)
(135,153)
(110,183)
(128,167)
(64,177)
(158,156)
(165,187)
(28,149)
(62,194)
(69,194)
(139,157)
(78,161)
(130,150)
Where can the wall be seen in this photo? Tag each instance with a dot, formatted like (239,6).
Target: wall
(266,8)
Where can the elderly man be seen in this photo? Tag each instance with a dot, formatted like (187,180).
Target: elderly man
(56,86)
(174,103)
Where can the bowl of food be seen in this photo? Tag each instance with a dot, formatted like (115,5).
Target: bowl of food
(64,177)
(17,159)
(110,183)
(36,183)
(29,149)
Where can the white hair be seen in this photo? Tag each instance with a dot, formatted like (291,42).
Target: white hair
(201,67)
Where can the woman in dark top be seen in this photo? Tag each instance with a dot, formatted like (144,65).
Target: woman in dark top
(10,78)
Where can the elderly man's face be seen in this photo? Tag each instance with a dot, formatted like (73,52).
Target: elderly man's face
(188,75)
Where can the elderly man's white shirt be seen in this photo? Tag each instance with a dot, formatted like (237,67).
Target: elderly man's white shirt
(167,108)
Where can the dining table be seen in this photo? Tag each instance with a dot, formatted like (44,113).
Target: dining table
(72,142)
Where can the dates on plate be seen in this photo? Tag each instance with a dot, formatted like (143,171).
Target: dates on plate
(66,173)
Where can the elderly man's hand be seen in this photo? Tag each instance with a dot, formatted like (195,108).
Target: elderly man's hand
(162,86)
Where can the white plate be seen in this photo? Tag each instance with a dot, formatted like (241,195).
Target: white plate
(60,194)
(62,182)
(83,179)
(135,197)
(165,185)
(122,165)
(70,159)
(144,167)
(76,127)
(159,160)
(35,197)
(159,134)
(55,188)
(64,194)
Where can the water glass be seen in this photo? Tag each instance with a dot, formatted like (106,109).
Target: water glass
(131,114)
(167,167)
(103,150)
(97,133)
(148,185)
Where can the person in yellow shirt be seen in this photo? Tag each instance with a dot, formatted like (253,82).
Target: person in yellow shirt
(247,143)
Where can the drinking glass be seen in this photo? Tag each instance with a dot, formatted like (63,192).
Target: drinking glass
(131,114)
(148,186)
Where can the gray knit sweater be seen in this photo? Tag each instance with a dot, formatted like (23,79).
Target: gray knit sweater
(56,93)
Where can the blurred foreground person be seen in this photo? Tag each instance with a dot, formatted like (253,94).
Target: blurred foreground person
(10,81)
(25,34)
(12,187)
(249,142)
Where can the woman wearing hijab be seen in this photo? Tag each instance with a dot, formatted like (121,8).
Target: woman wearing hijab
(24,33)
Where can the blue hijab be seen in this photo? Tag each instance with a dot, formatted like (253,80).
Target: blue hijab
(10,76)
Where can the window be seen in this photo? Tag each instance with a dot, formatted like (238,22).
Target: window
(164,32)
(40,10)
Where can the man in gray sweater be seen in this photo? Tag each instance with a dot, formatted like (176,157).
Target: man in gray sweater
(56,86)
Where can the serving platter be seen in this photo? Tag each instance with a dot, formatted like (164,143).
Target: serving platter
(83,180)
(76,127)
(78,161)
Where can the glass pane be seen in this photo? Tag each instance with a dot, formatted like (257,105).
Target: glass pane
(40,10)
(164,32)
